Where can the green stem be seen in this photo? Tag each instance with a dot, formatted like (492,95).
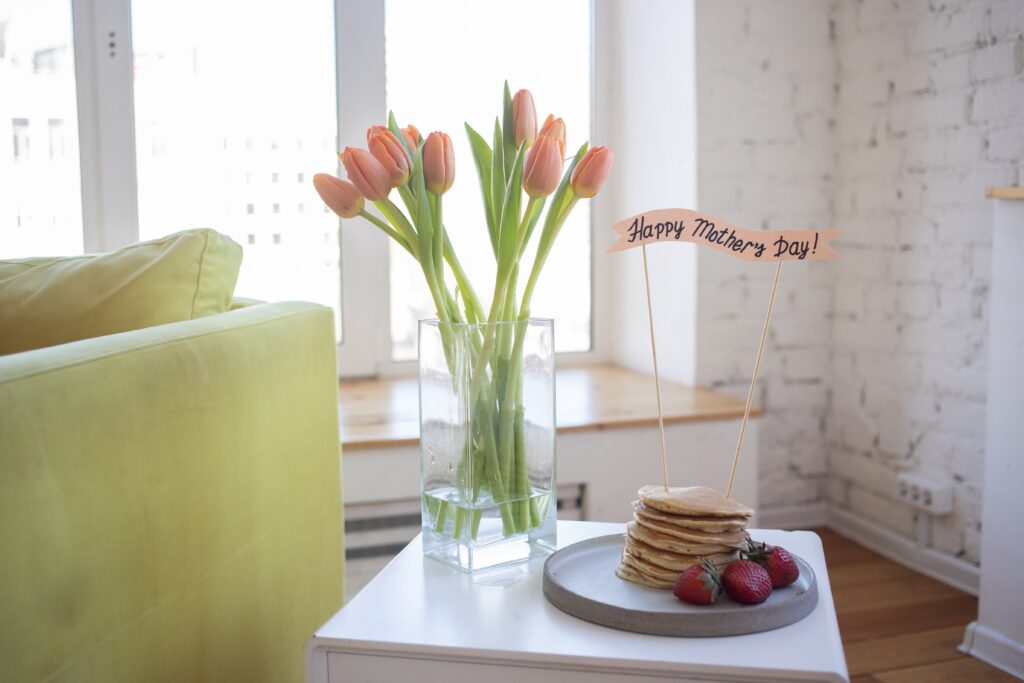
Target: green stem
(497,301)
(388,230)
(540,259)
(401,223)
(438,254)
(441,516)
(474,311)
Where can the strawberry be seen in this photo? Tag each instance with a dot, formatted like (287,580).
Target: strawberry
(781,566)
(699,585)
(747,582)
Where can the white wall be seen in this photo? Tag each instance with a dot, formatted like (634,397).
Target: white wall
(653,128)
(765,159)
(929,111)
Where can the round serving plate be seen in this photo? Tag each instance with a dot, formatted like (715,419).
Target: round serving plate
(580,580)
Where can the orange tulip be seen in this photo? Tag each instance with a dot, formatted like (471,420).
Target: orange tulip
(542,168)
(524,116)
(590,173)
(366,173)
(391,154)
(339,195)
(412,137)
(554,128)
(438,163)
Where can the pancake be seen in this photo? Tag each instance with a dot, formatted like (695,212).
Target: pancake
(648,568)
(624,571)
(710,524)
(673,544)
(674,561)
(699,501)
(736,539)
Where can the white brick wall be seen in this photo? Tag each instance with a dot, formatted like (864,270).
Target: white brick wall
(765,130)
(929,111)
(885,119)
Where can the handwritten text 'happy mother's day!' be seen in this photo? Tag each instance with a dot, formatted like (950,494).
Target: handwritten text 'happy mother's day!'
(684,225)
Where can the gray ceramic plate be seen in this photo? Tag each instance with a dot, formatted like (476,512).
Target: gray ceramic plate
(580,580)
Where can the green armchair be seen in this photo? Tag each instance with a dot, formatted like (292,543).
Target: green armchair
(170,500)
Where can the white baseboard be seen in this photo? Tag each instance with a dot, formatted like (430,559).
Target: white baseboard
(807,516)
(939,566)
(992,647)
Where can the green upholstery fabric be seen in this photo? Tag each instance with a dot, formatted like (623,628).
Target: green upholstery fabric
(170,505)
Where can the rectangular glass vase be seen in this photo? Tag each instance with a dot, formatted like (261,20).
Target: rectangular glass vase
(487,441)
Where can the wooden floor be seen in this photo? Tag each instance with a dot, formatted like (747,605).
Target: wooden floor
(899,626)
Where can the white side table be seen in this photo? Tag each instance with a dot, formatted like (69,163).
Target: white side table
(420,621)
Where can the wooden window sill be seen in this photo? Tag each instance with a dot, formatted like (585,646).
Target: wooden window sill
(379,413)
(1005,192)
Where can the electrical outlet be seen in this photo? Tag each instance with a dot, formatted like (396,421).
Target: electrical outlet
(925,492)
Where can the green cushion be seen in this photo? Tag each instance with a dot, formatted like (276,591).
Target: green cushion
(49,301)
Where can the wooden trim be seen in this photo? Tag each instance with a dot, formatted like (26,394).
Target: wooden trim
(380,413)
(1004,192)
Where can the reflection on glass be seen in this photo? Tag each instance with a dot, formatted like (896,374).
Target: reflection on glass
(443,69)
(234,110)
(40,185)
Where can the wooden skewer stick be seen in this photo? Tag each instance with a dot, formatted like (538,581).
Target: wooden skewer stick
(657,381)
(753,381)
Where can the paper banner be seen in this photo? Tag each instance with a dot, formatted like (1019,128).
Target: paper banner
(684,225)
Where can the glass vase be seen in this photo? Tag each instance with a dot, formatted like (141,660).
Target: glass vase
(487,441)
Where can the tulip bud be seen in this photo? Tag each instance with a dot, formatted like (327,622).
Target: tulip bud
(438,163)
(391,154)
(366,173)
(339,195)
(542,168)
(524,117)
(412,137)
(590,173)
(554,128)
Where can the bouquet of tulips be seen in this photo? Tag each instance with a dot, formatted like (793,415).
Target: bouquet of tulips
(521,176)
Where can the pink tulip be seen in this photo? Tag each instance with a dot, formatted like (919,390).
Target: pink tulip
(524,117)
(391,154)
(339,195)
(542,168)
(554,128)
(438,163)
(590,173)
(412,137)
(366,173)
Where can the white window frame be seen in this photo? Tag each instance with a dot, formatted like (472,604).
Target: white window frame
(106,122)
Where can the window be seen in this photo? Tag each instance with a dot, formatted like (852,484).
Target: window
(216,113)
(40,203)
(221,111)
(556,69)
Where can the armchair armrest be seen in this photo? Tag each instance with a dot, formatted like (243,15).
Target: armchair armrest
(170,507)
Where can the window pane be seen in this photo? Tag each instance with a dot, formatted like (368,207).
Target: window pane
(41,198)
(446,63)
(234,109)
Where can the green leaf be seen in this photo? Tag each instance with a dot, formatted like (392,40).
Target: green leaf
(497,179)
(482,157)
(393,127)
(422,217)
(509,126)
(510,213)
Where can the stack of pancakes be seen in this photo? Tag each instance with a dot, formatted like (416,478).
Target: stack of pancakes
(675,529)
